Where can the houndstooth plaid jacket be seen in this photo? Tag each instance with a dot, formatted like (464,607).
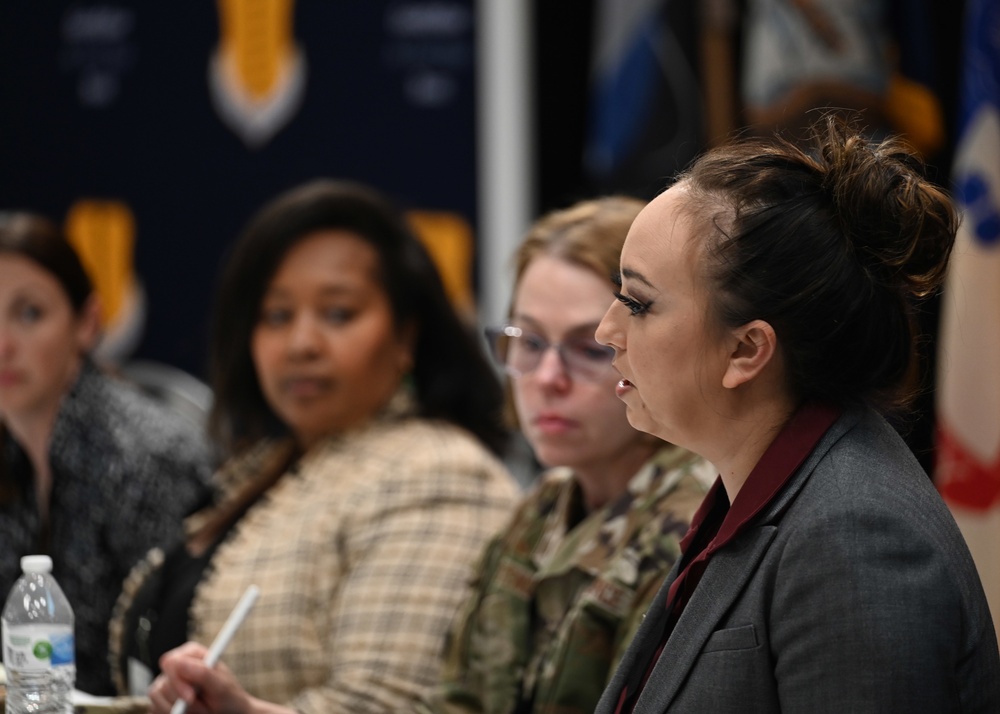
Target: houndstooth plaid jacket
(362,552)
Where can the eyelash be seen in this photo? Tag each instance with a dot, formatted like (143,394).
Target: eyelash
(634,306)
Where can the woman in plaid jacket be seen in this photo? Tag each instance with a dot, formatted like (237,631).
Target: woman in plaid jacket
(364,423)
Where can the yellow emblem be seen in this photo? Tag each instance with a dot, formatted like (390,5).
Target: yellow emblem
(257,74)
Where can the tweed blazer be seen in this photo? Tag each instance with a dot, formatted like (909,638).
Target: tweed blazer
(363,552)
(852,591)
(125,472)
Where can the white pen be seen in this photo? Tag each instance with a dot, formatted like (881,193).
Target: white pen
(233,622)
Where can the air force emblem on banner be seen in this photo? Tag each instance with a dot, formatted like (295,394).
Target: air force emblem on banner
(257,74)
(103,233)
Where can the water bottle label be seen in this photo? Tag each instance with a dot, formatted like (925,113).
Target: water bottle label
(35,648)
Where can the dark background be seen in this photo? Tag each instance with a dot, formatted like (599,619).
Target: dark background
(159,146)
(191,182)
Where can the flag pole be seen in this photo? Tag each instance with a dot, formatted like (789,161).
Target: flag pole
(504,126)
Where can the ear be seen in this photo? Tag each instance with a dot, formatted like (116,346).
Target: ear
(88,324)
(756,347)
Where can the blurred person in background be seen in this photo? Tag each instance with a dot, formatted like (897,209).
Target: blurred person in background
(563,587)
(93,472)
(362,422)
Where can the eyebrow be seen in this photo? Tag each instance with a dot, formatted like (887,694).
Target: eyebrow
(31,294)
(637,276)
(575,329)
(329,290)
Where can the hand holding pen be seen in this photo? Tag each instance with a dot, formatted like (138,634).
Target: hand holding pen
(184,672)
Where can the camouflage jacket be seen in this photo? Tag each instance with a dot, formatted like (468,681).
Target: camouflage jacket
(556,603)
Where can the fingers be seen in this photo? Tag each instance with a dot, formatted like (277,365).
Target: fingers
(188,649)
(205,689)
(161,695)
(179,679)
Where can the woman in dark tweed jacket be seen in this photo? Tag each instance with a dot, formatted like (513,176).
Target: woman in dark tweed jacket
(93,472)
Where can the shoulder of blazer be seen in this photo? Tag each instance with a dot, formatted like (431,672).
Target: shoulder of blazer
(841,428)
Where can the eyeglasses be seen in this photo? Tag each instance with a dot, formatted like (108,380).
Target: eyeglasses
(520,352)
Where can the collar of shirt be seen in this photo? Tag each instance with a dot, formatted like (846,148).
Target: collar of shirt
(716,523)
(782,458)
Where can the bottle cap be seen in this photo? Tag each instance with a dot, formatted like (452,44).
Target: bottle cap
(36,564)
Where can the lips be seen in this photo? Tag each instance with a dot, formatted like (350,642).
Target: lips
(623,387)
(305,387)
(9,378)
(553,424)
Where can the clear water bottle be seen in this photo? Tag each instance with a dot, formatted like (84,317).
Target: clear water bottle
(38,648)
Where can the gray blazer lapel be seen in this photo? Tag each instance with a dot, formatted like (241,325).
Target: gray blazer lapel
(642,647)
(723,581)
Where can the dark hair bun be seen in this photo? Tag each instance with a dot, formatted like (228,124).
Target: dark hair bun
(900,225)
(830,245)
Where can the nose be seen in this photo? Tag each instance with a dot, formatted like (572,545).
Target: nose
(607,332)
(551,369)
(303,337)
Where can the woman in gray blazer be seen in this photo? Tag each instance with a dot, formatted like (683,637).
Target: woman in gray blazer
(766,321)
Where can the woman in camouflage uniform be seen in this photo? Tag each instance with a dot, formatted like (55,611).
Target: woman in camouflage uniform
(561,590)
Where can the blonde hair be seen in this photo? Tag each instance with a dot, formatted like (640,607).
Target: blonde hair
(589,234)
